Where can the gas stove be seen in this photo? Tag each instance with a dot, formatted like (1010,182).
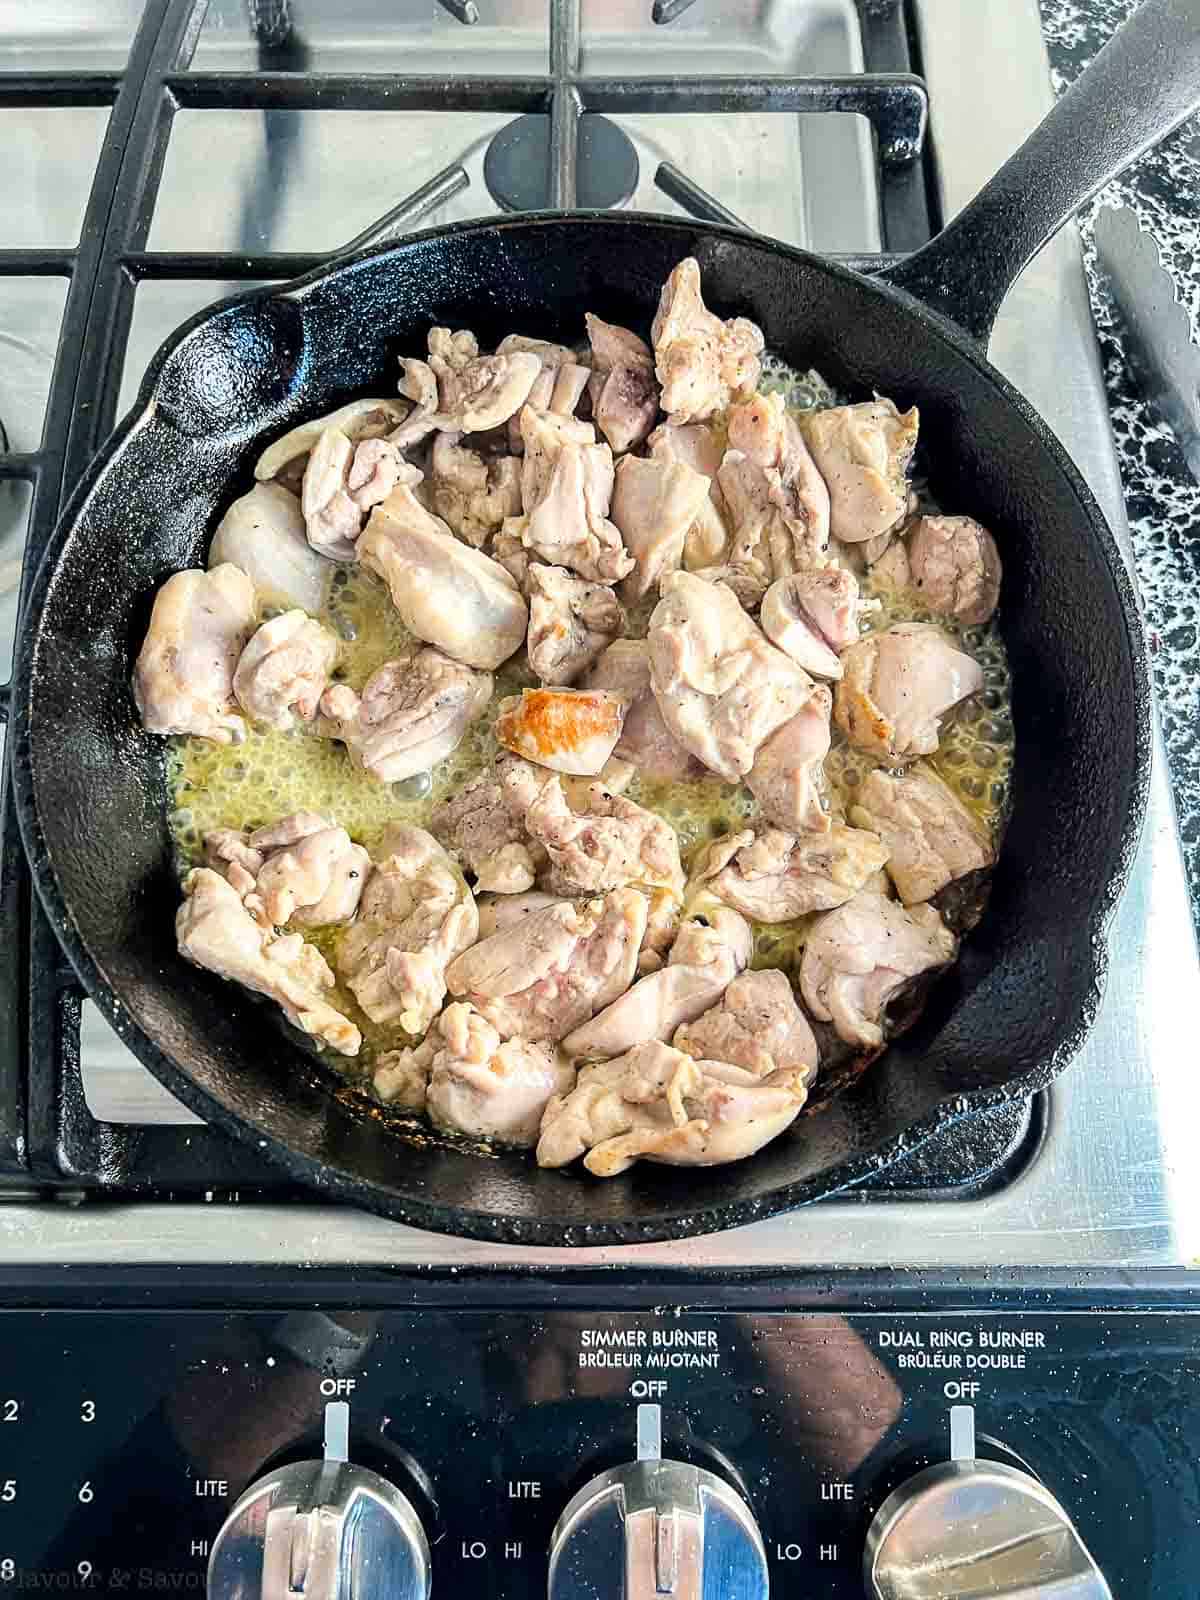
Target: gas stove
(1023,1270)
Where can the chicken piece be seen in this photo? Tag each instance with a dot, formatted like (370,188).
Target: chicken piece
(712,946)
(659,1104)
(702,362)
(571,621)
(483,825)
(377,467)
(748,584)
(401,1077)
(721,688)
(566,489)
(548,974)
(558,387)
(624,393)
(227,851)
(862,452)
(471,495)
(778,503)
(696,445)
(772,876)
(508,548)
(654,504)
(788,775)
(214,930)
(417,914)
(263,534)
(282,672)
(500,911)
(898,685)
(472,392)
(858,958)
(567,730)
(491,1089)
(413,712)
(361,419)
(446,593)
(757,1025)
(332,520)
(183,676)
(646,742)
(892,566)
(955,566)
(930,835)
(302,869)
(609,843)
(813,616)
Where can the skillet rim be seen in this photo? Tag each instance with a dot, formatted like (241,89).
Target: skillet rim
(651,1226)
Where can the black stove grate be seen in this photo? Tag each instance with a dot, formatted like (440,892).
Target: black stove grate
(48,1136)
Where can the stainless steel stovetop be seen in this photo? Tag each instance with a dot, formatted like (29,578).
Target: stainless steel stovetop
(1114,1180)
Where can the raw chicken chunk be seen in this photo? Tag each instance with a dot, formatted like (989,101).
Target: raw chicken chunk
(654,504)
(788,775)
(624,393)
(778,502)
(897,687)
(417,914)
(446,593)
(858,958)
(332,519)
(646,742)
(413,712)
(471,393)
(955,565)
(712,946)
(214,930)
(930,835)
(361,419)
(696,445)
(308,870)
(570,622)
(490,1088)
(658,1104)
(813,616)
(772,876)
(283,670)
(757,1025)
(603,845)
(263,534)
(183,677)
(566,490)
(548,974)
(862,452)
(484,826)
(473,496)
(702,363)
(567,730)
(722,689)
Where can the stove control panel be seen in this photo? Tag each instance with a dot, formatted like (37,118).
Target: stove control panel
(441,1450)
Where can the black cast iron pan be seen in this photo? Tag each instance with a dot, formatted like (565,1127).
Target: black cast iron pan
(89,782)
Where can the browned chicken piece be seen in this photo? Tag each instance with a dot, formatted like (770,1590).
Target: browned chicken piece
(722,689)
(566,730)
(446,593)
(416,915)
(712,946)
(646,742)
(702,362)
(548,974)
(571,621)
(863,452)
(624,393)
(402,1076)
(813,616)
(654,504)
(332,519)
(778,502)
(471,495)
(749,584)
(472,393)
(361,419)
(282,672)
(302,869)
(696,445)
(658,1104)
(897,687)
(263,534)
(858,958)
(566,489)
(183,677)
(788,775)
(955,566)
(757,1025)
(930,835)
(604,845)
(214,930)
(489,1088)
(500,911)
(483,825)
(773,876)
(413,712)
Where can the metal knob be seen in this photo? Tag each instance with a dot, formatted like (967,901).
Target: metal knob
(323,1530)
(966,1528)
(657,1528)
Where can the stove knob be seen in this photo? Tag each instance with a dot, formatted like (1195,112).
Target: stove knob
(971,1527)
(321,1530)
(657,1528)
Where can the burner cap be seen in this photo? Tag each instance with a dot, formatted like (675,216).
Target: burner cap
(516,167)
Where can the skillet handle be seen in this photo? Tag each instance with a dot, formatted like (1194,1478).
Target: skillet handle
(1143,83)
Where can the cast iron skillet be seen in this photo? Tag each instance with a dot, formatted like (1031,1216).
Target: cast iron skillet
(89,782)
